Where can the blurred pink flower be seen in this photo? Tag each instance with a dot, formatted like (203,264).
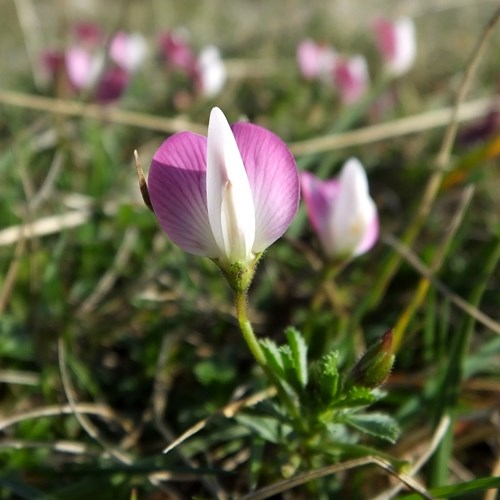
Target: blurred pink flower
(128,50)
(83,67)
(341,211)
(112,84)
(397,43)
(210,72)
(53,62)
(83,64)
(227,196)
(206,71)
(351,78)
(176,51)
(88,33)
(315,60)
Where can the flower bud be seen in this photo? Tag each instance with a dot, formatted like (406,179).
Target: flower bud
(375,365)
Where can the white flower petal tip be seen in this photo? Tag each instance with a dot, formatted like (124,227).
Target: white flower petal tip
(211,72)
(226,196)
(342,212)
(230,204)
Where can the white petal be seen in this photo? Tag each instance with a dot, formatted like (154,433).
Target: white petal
(229,198)
(212,71)
(406,47)
(353,212)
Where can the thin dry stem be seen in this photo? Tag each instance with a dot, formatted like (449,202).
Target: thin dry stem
(395,128)
(424,284)
(443,156)
(91,429)
(306,477)
(44,226)
(61,445)
(99,112)
(100,410)
(86,424)
(421,268)
(109,278)
(439,433)
(228,411)
(29,22)
(19,377)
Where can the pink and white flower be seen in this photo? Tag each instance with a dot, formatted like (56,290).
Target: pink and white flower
(83,67)
(210,72)
(206,71)
(316,60)
(226,196)
(341,211)
(83,64)
(397,43)
(176,51)
(351,78)
(128,50)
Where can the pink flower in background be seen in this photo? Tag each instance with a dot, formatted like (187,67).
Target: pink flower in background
(210,72)
(351,78)
(128,50)
(88,33)
(315,60)
(397,43)
(53,62)
(83,67)
(176,51)
(112,85)
(341,211)
(206,71)
(83,64)
(226,196)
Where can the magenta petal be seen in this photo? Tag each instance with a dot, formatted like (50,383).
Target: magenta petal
(177,188)
(273,178)
(112,85)
(318,197)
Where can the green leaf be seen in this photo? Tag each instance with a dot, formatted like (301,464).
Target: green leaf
(268,428)
(323,381)
(357,396)
(376,424)
(211,371)
(299,353)
(288,364)
(273,357)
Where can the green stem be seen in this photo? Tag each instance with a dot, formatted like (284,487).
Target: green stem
(258,354)
(247,330)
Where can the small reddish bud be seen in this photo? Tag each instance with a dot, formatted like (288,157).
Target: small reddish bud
(375,365)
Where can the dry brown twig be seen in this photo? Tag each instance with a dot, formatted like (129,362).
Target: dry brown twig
(306,477)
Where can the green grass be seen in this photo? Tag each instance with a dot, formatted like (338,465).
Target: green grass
(151,344)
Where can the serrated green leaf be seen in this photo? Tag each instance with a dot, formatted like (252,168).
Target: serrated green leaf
(298,348)
(376,424)
(287,360)
(273,357)
(323,383)
(357,396)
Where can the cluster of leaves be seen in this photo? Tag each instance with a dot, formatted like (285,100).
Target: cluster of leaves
(327,397)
